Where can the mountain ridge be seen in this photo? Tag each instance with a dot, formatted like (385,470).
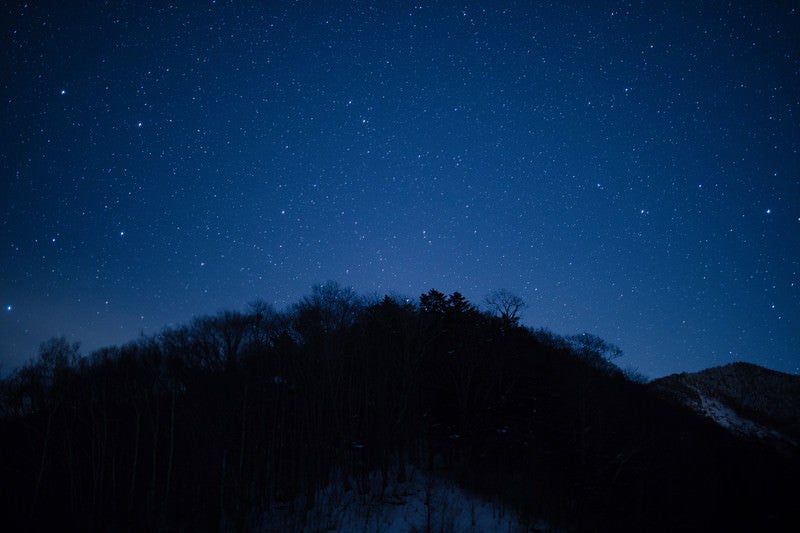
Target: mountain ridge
(749,400)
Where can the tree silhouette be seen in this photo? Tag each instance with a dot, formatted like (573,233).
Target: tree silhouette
(506,305)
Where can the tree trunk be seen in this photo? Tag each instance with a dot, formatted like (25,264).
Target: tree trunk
(132,489)
(170,457)
(42,463)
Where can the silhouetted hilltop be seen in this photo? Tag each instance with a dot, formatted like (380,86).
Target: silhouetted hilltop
(317,417)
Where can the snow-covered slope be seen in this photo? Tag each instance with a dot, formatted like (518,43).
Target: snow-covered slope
(747,399)
(423,503)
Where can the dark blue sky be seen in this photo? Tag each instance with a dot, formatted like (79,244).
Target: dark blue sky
(631,169)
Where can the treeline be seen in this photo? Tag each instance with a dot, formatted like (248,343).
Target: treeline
(219,423)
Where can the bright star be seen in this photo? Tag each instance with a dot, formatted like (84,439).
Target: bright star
(9,308)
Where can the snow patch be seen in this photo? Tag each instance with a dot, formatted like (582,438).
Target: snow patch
(730,420)
(423,503)
(725,416)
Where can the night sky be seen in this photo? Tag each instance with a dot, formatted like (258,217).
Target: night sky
(630,169)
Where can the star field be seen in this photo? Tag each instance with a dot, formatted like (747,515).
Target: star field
(631,169)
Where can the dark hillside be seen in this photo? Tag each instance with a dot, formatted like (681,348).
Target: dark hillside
(212,425)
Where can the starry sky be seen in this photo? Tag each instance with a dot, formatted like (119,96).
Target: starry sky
(630,169)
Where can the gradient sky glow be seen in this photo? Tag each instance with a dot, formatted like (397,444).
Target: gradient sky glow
(631,169)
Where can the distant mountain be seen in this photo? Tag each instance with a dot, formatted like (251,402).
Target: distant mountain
(747,399)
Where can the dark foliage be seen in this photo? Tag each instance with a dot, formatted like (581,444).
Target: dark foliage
(212,425)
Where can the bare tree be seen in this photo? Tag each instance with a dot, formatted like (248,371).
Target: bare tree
(56,356)
(330,308)
(265,323)
(595,350)
(506,305)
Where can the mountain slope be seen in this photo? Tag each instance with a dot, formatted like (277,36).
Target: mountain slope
(747,399)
